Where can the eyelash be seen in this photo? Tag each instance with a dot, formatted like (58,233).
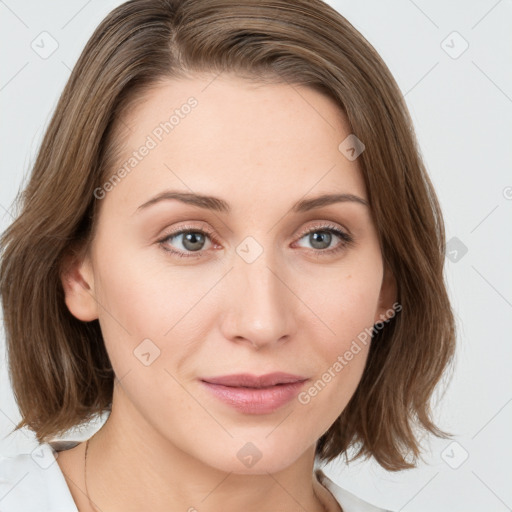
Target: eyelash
(346,240)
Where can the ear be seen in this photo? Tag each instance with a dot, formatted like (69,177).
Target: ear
(387,297)
(78,283)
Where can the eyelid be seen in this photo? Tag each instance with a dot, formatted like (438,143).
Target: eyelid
(323,225)
(187,227)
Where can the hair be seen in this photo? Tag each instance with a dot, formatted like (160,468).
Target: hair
(59,369)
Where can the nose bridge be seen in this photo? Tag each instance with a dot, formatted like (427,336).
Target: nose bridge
(260,306)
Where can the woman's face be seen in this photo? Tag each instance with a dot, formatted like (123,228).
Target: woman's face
(258,283)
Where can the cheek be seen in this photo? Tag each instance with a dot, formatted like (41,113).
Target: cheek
(147,305)
(347,306)
(145,294)
(328,394)
(345,301)
(353,307)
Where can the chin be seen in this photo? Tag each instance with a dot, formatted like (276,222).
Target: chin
(258,456)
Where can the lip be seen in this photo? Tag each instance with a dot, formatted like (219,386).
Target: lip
(254,381)
(253,394)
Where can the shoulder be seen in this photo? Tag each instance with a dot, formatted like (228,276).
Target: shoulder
(347,500)
(33,482)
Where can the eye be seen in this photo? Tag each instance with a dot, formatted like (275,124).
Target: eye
(320,237)
(192,240)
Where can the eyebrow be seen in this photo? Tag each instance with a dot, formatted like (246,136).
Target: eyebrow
(219,205)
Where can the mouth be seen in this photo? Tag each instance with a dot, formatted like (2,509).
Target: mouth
(252,394)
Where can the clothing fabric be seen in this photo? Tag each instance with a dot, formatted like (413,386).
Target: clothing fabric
(34,482)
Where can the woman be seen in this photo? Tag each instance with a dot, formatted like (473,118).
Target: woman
(229,243)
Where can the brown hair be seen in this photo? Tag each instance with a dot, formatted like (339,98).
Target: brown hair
(59,369)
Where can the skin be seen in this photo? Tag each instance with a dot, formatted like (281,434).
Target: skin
(168,443)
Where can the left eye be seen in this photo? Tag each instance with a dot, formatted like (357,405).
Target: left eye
(193,240)
(321,238)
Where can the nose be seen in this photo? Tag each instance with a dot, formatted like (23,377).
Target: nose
(259,306)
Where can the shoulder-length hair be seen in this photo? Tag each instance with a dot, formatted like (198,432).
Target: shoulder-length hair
(59,369)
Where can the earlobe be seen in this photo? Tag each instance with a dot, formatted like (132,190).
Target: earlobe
(78,284)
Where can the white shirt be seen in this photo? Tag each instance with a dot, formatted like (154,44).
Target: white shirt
(34,482)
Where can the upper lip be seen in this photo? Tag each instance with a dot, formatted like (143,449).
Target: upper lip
(254,381)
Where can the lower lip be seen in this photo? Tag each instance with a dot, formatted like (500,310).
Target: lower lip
(256,400)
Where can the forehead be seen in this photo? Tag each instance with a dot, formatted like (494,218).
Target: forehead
(228,137)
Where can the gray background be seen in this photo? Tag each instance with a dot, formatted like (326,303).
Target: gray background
(461,103)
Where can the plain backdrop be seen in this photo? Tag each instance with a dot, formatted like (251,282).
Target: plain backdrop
(452,61)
